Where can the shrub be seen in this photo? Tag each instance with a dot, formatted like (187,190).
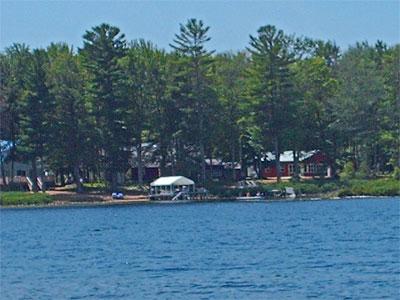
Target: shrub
(136,189)
(329,187)
(24,198)
(377,187)
(396,173)
(363,171)
(347,172)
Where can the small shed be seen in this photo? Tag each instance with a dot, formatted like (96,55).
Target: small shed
(171,185)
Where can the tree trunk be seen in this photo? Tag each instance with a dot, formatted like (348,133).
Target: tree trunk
(277,160)
(296,173)
(79,188)
(355,162)
(163,154)
(233,162)
(62,178)
(257,166)
(203,163)
(34,176)
(114,183)
(13,150)
(175,157)
(3,173)
(139,161)
(211,167)
(94,175)
(243,170)
(12,169)
(332,159)
(376,159)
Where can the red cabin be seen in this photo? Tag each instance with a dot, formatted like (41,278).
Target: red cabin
(312,163)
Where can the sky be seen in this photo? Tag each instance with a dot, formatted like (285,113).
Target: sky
(38,23)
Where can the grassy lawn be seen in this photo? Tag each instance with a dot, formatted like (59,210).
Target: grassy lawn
(24,198)
(129,189)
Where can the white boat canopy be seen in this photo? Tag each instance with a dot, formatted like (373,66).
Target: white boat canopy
(172,181)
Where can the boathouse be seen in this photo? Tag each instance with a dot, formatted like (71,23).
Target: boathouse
(171,185)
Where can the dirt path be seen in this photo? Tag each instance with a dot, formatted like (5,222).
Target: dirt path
(68,196)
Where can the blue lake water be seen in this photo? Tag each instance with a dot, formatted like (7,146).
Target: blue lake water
(344,249)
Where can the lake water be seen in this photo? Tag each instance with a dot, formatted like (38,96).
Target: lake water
(344,249)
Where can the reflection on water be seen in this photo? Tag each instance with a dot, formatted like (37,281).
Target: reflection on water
(316,249)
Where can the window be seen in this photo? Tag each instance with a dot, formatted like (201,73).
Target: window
(291,169)
(312,168)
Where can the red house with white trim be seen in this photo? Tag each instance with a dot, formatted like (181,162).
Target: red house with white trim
(311,163)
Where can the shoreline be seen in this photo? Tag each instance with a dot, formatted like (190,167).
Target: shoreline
(140,200)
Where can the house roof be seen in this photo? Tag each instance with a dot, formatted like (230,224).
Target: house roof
(220,163)
(172,180)
(214,161)
(287,156)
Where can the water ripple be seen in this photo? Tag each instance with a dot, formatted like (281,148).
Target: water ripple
(290,250)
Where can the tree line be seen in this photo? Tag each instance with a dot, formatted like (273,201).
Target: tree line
(89,110)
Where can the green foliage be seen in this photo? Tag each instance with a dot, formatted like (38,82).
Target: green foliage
(70,126)
(378,187)
(354,187)
(396,173)
(95,185)
(230,87)
(103,47)
(36,108)
(197,97)
(145,90)
(24,198)
(271,85)
(347,171)
(86,113)
(365,107)
(363,171)
(136,189)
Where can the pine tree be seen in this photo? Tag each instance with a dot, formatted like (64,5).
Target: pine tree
(195,86)
(271,85)
(70,118)
(37,108)
(103,47)
(14,70)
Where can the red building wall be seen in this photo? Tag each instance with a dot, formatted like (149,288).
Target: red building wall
(317,159)
(270,171)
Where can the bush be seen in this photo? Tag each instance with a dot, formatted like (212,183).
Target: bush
(347,172)
(363,171)
(24,198)
(136,189)
(348,187)
(307,188)
(330,187)
(377,187)
(95,186)
(396,173)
